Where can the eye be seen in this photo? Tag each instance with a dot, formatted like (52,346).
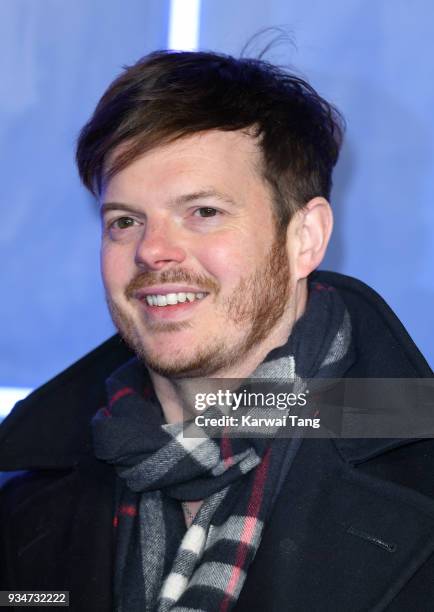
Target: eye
(206,211)
(122,223)
(119,228)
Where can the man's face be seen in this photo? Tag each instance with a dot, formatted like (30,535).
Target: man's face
(195,275)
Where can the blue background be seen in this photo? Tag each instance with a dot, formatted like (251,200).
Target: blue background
(372,58)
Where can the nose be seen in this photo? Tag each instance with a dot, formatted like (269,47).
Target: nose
(158,247)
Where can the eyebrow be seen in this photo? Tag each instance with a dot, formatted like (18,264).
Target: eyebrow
(183,199)
(203,195)
(108,206)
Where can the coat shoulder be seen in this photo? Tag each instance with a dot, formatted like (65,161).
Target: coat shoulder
(384,347)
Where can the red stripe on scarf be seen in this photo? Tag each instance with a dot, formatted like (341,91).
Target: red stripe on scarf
(121,393)
(250,521)
(126,509)
(322,287)
(227,455)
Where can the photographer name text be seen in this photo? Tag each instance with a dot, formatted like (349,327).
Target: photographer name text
(288,420)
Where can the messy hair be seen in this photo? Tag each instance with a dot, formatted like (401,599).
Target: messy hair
(167,95)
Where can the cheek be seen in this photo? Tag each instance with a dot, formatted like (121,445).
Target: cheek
(114,268)
(228,262)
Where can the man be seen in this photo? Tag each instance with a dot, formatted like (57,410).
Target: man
(213,177)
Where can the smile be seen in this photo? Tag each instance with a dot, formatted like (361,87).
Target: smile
(170,299)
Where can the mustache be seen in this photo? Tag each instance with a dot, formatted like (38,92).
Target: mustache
(148,279)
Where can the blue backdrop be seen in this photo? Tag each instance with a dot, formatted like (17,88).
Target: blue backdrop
(372,59)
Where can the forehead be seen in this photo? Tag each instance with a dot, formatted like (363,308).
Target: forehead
(229,160)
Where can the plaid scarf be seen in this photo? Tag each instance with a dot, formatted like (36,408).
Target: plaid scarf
(160,565)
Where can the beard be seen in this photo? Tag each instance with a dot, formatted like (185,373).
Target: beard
(255,306)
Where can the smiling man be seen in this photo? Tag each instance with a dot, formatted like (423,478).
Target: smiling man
(213,178)
(186,284)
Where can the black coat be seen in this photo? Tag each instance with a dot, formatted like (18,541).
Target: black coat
(352,529)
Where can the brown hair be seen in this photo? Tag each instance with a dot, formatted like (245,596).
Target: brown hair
(167,95)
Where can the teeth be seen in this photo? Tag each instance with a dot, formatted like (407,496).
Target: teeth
(173,298)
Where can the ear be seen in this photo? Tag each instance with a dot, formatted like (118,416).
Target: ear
(308,236)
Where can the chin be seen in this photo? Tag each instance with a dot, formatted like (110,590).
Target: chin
(197,363)
(180,367)
(161,355)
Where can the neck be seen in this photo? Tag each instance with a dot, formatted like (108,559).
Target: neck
(173,393)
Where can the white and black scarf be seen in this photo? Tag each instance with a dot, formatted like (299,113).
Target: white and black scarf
(161,566)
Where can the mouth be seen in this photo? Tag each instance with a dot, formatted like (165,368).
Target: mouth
(166,304)
(164,300)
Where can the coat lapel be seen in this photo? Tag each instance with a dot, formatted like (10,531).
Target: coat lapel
(338,539)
